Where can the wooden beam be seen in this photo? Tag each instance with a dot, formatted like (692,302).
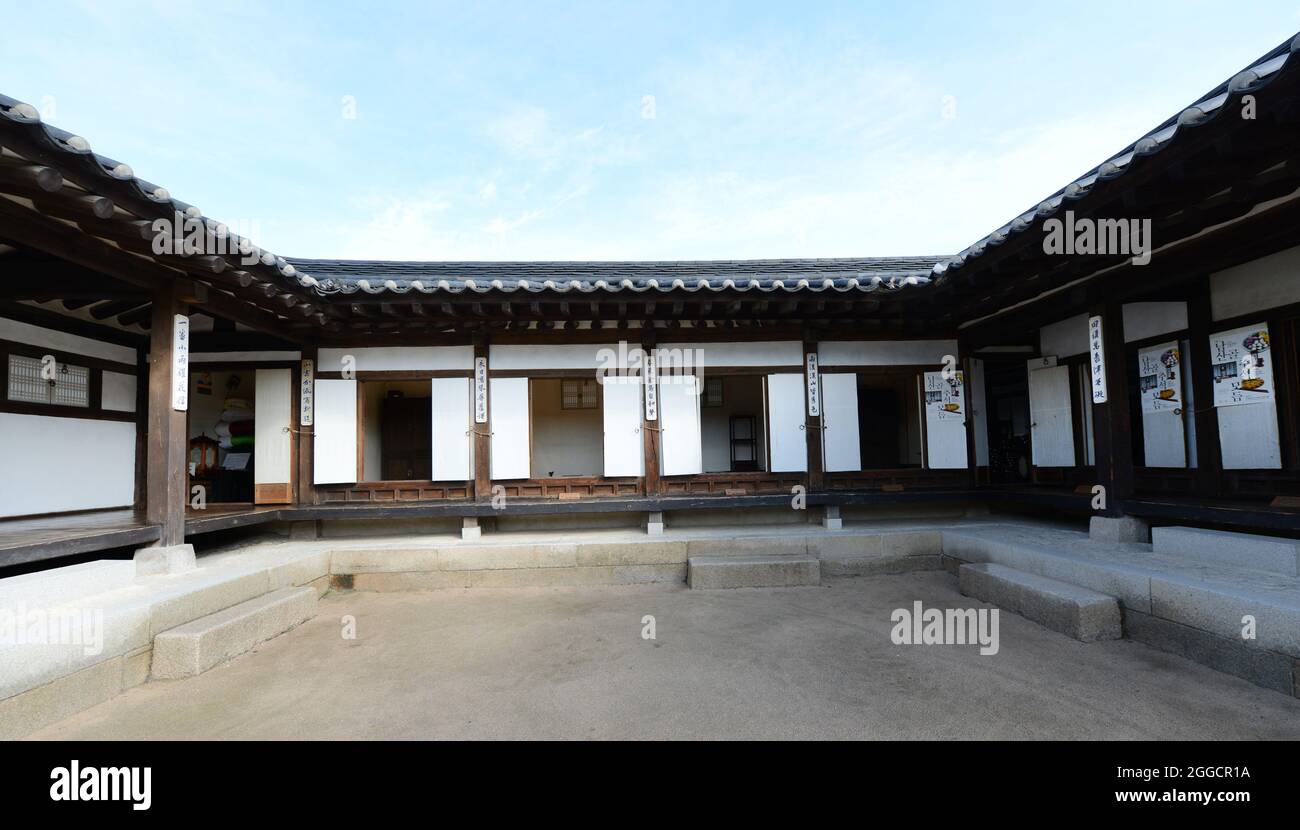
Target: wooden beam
(36,231)
(115,307)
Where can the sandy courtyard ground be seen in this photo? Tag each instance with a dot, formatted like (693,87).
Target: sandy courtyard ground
(748,663)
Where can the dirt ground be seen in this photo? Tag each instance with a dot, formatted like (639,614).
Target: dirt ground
(748,663)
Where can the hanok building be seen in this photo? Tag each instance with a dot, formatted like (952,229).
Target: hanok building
(1128,347)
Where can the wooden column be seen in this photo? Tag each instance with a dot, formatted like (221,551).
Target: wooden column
(141,430)
(1209,462)
(653,484)
(1112,427)
(306,490)
(166,442)
(482,433)
(813,423)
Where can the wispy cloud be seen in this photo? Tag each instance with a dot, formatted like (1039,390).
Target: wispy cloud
(512,133)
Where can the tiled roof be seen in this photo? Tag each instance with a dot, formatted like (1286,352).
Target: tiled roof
(375,277)
(118,181)
(1246,82)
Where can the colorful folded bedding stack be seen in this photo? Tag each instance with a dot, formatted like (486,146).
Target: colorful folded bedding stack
(235,429)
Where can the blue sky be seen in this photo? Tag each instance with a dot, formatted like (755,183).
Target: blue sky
(522,130)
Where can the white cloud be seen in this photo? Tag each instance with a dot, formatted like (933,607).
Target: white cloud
(524,131)
(500,225)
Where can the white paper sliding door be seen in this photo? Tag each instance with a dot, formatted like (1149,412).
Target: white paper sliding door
(624,452)
(1160,385)
(786,432)
(679,416)
(1051,426)
(273,438)
(945,420)
(451,438)
(335,443)
(842,449)
(511,441)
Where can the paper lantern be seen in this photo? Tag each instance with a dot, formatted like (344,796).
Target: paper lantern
(203,455)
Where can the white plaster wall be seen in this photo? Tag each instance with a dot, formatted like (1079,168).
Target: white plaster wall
(549,356)
(59,464)
(1066,338)
(1267,282)
(766,353)
(398,358)
(1143,320)
(885,352)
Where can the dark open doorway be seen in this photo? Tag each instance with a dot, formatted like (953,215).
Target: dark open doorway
(1007,403)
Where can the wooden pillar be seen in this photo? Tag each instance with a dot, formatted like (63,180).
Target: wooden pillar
(166,442)
(482,432)
(652,482)
(306,490)
(1209,462)
(141,430)
(813,423)
(1112,427)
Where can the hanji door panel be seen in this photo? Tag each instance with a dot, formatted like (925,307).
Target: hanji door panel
(335,446)
(679,416)
(787,431)
(450,399)
(1160,386)
(1051,426)
(624,451)
(273,437)
(945,420)
(842,443)
(511,440)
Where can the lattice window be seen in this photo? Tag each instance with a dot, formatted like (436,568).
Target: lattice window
(712,392)
(578,394)
(29,382)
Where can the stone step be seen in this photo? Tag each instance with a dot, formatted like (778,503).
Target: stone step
(744,571)
(866,565)
(1077,612)
(61,586)
(197,646)
(1226,548)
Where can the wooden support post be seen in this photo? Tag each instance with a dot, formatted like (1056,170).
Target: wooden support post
(1209,462)
(166,443)
(652,482)
(482,433)
(141,430)
(306,433)
(813,423)
(1112,428)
